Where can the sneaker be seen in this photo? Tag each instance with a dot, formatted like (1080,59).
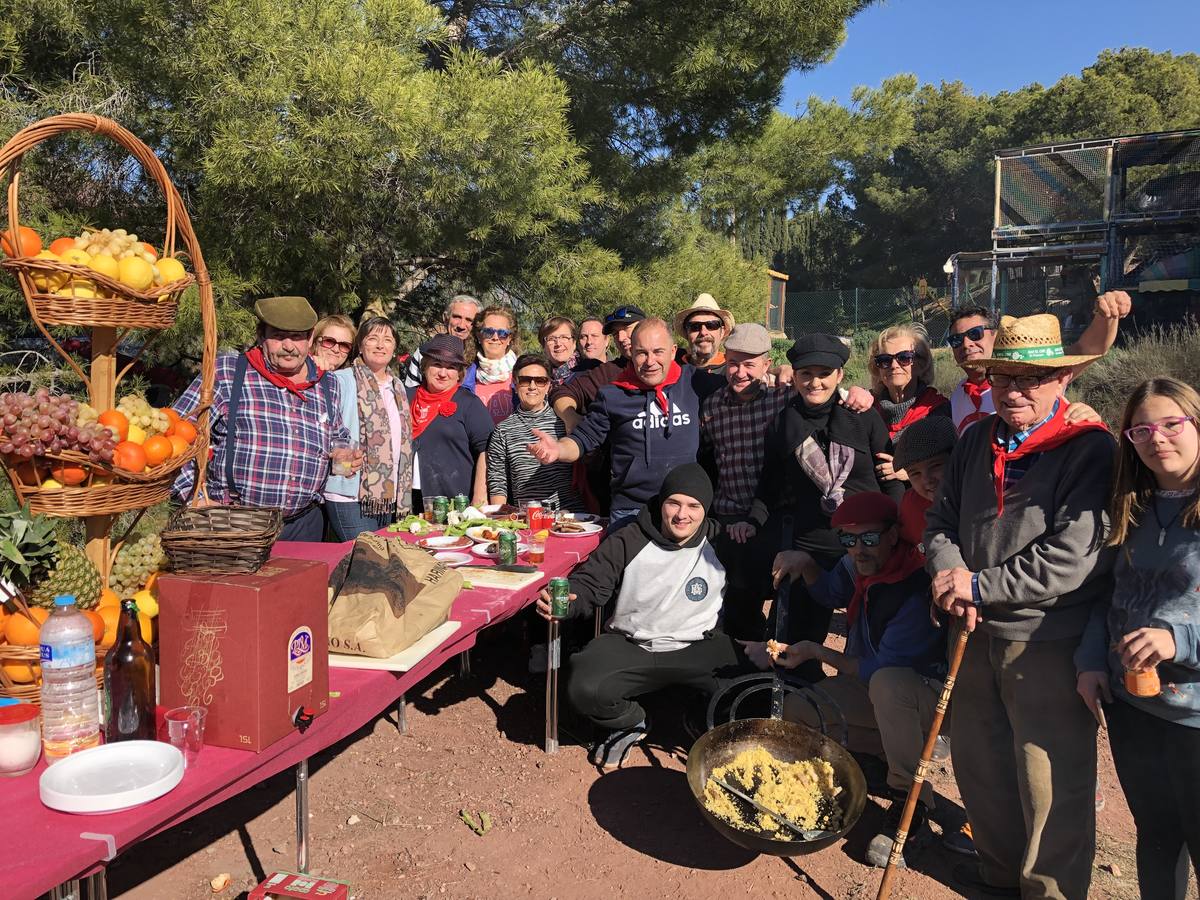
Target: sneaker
(941,749)
(967,875)
(610,751)
(880,848)
(961,841)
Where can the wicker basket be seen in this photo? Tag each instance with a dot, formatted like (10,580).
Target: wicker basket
(107,491)
(11,653)
(220,540)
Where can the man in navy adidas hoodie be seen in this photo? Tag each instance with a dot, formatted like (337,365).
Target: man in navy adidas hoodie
(668,586)
(650,417)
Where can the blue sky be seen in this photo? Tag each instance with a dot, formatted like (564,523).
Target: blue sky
(992,46)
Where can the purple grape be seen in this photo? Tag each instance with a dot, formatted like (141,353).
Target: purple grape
(25,452)
(6,449)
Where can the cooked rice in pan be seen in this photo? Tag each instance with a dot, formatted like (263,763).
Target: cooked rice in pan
(803,792)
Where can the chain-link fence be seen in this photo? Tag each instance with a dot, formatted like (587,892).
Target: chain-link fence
(854,310)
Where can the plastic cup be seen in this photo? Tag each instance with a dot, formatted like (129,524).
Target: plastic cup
(343,464)
(536,553)
(185,731)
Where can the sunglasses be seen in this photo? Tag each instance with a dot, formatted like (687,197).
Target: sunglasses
(904,357)
(330,344)
(971,334)
(695,325)
(527,380)
(1020,382)
(1172,427)
(868,538)
(490,333)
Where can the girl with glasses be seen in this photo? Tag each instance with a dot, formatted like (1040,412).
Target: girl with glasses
(901,366)
(495,336)
(1139,660)
(513,474)
(332,341)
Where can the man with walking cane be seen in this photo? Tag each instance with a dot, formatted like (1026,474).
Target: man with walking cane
(1014,544)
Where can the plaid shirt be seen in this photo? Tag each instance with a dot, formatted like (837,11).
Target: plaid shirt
(281,454)
(734,431)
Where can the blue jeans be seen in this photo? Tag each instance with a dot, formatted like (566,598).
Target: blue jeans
(308,525)
(348,521)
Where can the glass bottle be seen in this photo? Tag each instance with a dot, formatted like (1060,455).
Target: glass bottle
(129,696)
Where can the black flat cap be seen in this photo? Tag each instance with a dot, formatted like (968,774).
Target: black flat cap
(818,350)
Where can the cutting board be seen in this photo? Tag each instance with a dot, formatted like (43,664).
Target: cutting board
(405,659)
(489,577)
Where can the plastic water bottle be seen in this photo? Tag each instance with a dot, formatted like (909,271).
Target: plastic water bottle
(70,707)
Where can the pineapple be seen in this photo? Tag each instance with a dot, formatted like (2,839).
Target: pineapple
(35,562)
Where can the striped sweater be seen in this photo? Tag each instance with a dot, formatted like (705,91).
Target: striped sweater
(515,474)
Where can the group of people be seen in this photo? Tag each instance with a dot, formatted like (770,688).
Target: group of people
(1068,552)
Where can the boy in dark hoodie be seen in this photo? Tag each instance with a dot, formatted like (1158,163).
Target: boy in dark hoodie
(668,586)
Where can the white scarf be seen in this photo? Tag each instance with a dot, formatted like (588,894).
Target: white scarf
(491,371)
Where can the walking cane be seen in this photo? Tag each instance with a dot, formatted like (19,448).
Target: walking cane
(910,805)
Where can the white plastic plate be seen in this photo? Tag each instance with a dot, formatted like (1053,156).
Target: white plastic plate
(482,550)
(453,559)
(111,777)
(589,528)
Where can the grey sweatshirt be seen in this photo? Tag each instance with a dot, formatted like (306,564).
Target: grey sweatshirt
(1041,565)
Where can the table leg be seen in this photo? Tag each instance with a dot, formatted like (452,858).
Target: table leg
(464,664)
(97,886)
(302,817)
(401,720)
(68,890)
(553,651)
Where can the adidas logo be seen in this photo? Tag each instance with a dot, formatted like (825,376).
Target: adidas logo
(658,418)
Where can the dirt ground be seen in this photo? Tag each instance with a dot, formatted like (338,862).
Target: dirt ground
(385,815)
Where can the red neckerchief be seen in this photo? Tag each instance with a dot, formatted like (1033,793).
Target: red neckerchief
(922,406)
(975,391)
(255,357)
(905,560)
(427,406)
(629,381)
(1054,433)
(912,517)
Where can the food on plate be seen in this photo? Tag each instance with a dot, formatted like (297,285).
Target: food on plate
(569,528)
(805,793)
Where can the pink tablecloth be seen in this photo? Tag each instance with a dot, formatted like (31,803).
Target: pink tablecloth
(49,847)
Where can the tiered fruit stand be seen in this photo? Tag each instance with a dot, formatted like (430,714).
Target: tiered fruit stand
(111,313)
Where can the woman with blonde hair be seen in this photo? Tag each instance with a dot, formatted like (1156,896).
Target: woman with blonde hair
(900,362)
(495,336)
(1140,654)
(333,339)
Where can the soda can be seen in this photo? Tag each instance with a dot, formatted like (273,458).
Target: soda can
(441,508)
(560,597)
(533,514)
(507,543)
(460,502)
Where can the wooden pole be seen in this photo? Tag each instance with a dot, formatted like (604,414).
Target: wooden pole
(102,396)
(914,791)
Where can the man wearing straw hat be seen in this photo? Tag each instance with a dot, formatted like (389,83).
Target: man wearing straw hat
(275,422)
(704,325)
(1014,547)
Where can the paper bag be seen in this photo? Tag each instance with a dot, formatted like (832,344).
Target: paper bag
(386,595)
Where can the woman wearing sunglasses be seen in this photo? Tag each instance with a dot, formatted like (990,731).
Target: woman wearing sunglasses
(901,366)
(495,336)
(1140,655)
(375,410)
(332,341)
(513,474)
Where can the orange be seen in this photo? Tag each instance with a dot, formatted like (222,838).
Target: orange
(108,597)
(61,245)
(117,421)
(157,449)
(69,474)
(129,456)
(150,579)
(111,615)
(170,414)
(21,672)
(20,632)
(3,620)
(178,445)
(27,244)
(149,248)
(147,625)
(183,429)
(97,621)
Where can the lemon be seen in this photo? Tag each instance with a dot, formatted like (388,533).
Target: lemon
(48,281)
(51,485)
(146,603)
(541,535)
(135,272)
(105,264)
(137,434)
(76,257)
(79,287)
(170,269)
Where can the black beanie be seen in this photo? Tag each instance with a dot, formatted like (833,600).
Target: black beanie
(691,480)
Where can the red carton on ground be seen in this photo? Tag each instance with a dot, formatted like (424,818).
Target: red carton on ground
(288,884)
(252,649)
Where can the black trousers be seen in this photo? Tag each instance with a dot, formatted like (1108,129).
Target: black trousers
(1158,764)
(747,581)
(611,671)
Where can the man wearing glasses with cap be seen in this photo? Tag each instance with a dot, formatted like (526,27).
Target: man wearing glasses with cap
(973,332)
(571,400)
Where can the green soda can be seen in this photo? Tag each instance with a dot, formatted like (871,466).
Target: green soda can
(560,597)
(507,553)
(460,502)
(441,508)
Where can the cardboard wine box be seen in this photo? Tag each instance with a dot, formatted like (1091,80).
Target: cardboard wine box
(288,884)
(252,649)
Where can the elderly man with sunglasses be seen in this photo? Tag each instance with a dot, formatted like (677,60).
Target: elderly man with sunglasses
(888,677)
(458,320)
(513,474)
(1015,547)
(973,332)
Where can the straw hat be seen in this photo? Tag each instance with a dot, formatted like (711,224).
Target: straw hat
(1030,342)
(705,303)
